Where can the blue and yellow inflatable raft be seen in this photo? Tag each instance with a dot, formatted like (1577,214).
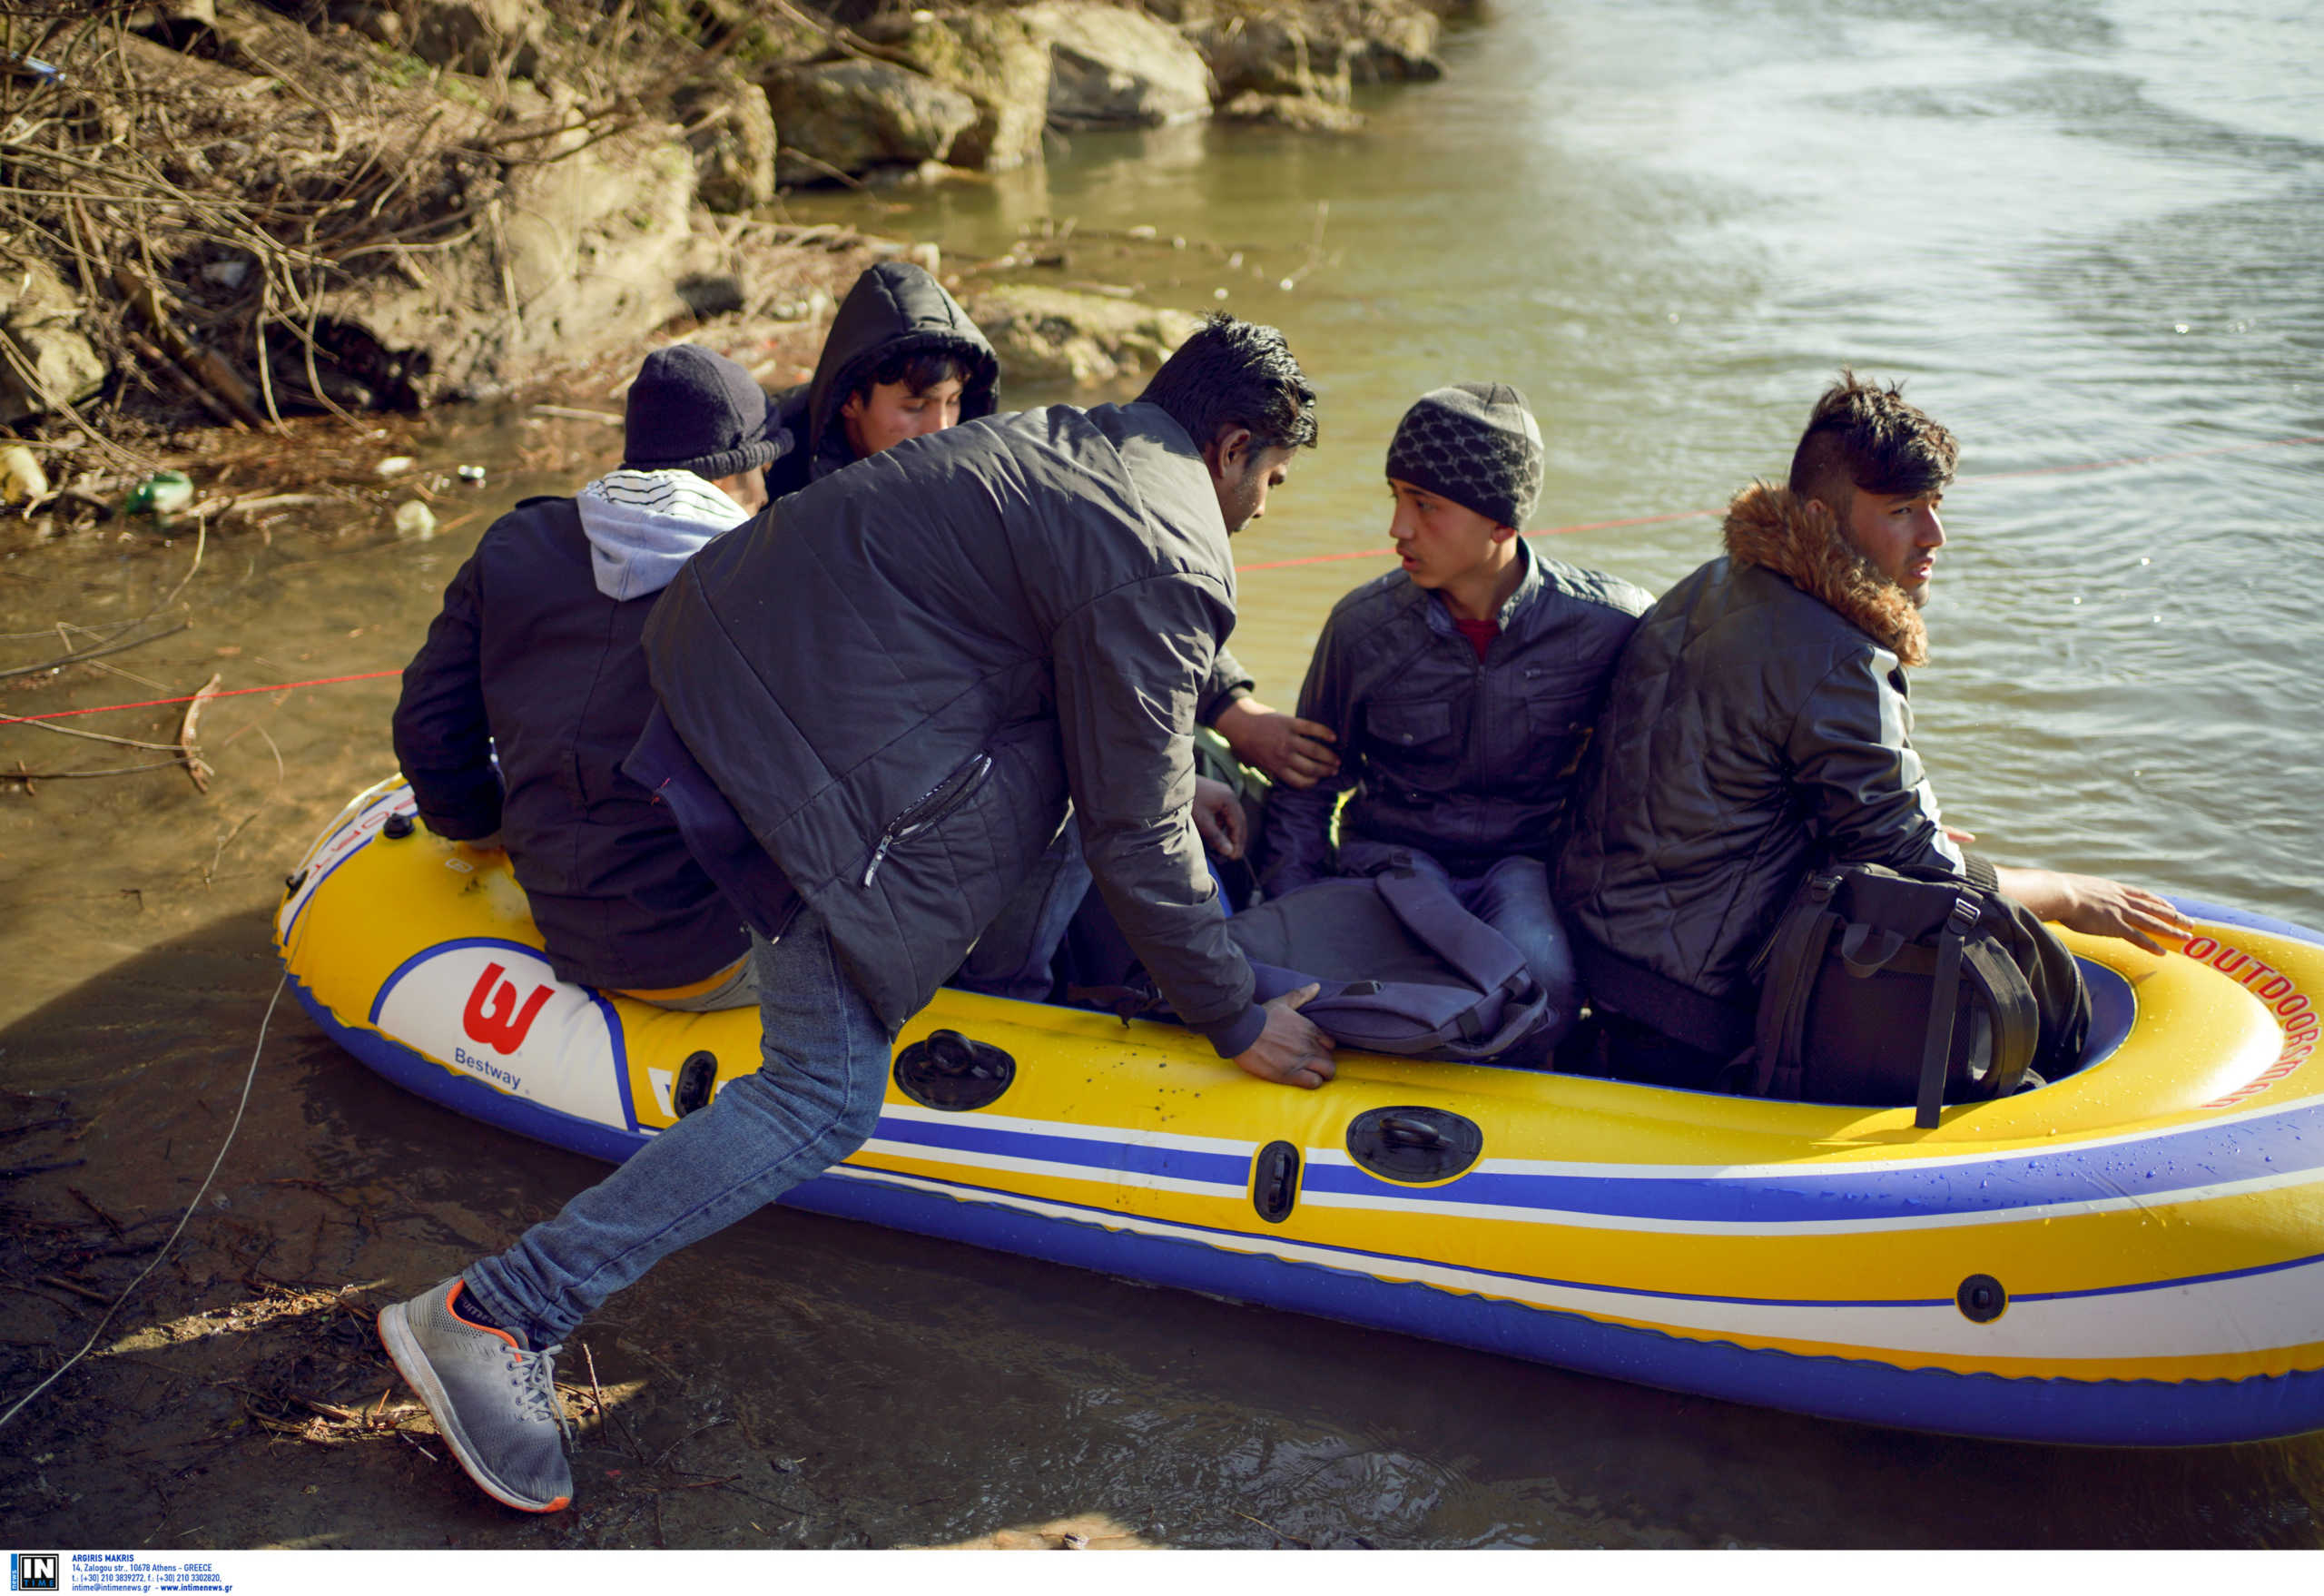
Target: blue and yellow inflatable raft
(2133,1255)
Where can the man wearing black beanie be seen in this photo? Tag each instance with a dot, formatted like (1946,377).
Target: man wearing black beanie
(1463,687)
(536,659)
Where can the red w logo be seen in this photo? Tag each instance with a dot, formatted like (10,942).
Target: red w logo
(492,1017)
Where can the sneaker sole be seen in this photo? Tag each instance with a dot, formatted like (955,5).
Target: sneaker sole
(403,1351)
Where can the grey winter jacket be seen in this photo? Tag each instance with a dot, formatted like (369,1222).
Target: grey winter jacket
(1758,725)
(899,674)
(1469,760)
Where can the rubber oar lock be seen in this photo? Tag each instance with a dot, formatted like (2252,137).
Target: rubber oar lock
(956,1073)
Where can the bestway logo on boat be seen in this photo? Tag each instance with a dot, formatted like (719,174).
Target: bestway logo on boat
(494,1011)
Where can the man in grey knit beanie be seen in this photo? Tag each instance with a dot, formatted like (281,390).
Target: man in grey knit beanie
(1462,688)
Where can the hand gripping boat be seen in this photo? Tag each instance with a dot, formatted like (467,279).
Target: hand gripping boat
(2133,1255)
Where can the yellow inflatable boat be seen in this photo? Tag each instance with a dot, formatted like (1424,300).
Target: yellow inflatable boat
(2133,1255)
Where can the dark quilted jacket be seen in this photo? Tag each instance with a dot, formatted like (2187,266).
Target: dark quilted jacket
(899,674)
(1758,724)
(527,657)
(1469,761)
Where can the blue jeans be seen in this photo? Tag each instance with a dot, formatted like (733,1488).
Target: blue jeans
(814,1099)
(1513,898)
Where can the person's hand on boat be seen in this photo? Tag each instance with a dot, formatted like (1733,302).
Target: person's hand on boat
(1219,818)
(2099,908)
(1290,1051)
(1294,751)
(1960,838)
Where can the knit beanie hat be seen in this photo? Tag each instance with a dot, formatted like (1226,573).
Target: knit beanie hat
(1476,444)
(692,410)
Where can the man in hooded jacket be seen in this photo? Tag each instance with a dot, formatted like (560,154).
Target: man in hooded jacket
(875,702)
(902,359)
(530,690)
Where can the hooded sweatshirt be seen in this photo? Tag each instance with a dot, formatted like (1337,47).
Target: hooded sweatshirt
(520,709)
(895,308)
(642,526)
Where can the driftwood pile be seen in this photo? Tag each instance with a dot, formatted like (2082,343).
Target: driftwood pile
(201,179)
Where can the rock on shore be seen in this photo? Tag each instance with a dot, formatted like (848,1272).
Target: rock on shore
(1058,335)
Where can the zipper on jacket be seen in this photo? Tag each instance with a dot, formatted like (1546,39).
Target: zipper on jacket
(931,806)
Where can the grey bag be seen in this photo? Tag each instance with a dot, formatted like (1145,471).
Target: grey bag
(1403,968)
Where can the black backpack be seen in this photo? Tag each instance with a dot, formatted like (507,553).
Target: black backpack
(1885,989)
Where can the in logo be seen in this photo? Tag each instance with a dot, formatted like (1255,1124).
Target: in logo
(494,1018)
(32,1571)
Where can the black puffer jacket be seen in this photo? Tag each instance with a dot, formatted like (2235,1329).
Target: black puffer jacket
(1468,760)
(527,655)
(894,309)
(1758,724)
(898,674)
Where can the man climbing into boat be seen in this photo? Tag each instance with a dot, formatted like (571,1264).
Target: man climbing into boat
(870,721)
(1464,685)
(1758,725)
(536,657)
(903,360)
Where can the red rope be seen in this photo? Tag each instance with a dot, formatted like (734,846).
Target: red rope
(58,714)
(1313,559)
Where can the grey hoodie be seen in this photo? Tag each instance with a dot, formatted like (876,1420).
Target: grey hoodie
(642,526)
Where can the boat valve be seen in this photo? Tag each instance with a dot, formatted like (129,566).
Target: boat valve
(1415,1143)
(1982,1299)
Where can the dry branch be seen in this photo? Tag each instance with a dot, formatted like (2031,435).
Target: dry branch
(194,766)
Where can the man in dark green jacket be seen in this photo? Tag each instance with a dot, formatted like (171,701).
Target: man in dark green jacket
(876,700)
(1462,686)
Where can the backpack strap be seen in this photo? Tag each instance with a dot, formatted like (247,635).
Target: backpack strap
(2018,1017)
(1944,1001)
(1795,957)
(1481,955)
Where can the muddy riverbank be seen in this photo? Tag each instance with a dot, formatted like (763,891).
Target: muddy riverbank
(225,212)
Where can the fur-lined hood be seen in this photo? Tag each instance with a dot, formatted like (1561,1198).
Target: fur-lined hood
(1766,526)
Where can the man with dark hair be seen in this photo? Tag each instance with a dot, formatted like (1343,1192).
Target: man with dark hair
(872,717)
(536,656)
(1758,727)
(1464,685)
(1292,751)
(902,359)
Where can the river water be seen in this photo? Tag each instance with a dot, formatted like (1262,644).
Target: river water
(2087,234)
(2080,231)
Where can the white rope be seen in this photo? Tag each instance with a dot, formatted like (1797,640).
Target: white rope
(214,1164)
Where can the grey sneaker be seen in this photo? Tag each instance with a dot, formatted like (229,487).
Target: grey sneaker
(495,1405)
